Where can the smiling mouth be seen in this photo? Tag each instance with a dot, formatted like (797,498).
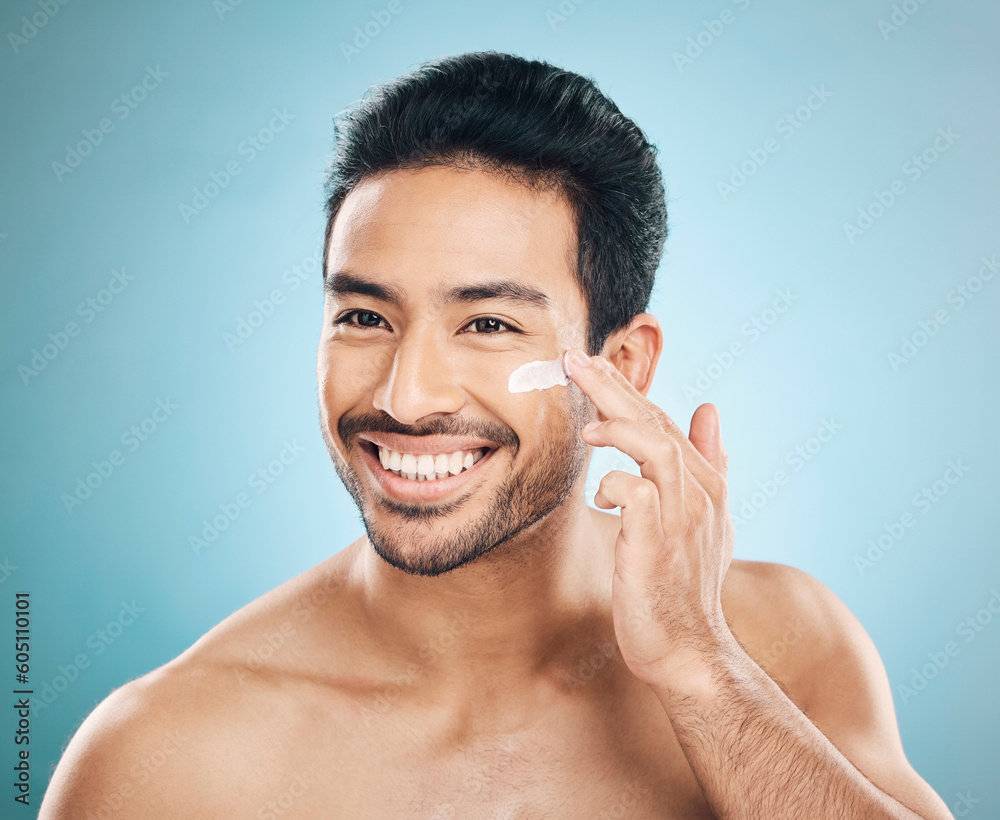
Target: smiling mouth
(426,466)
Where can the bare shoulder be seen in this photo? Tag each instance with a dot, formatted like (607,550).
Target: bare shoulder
(195,737)
(791,624)
(133,753)
(806,638)
(810,643)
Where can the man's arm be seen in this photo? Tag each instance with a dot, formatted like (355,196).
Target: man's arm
(756,754)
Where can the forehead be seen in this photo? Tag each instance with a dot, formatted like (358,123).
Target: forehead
(429,228)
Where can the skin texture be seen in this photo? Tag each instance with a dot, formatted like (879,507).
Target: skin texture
(539,659)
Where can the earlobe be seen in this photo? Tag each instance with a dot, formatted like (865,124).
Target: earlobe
(635,350)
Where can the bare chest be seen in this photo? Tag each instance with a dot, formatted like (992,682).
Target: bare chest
(621,761)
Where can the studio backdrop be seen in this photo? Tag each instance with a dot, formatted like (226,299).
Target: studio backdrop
(831,282)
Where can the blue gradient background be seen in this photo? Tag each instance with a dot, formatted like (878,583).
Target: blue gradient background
(826,357)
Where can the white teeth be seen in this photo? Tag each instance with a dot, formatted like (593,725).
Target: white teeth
(425,465)
(428,466)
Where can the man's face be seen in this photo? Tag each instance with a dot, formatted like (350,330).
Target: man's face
(440,283)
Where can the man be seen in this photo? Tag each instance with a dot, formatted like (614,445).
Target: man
(493,647)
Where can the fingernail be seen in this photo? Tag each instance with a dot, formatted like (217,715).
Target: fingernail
(605,365)
(588,427)
(580,359)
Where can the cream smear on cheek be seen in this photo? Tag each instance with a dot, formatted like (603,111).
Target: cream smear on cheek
(537,376)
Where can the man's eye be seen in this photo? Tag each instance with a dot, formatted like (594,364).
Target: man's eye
(365,318)
(489,324)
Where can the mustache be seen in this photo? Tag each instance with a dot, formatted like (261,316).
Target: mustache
(349,426)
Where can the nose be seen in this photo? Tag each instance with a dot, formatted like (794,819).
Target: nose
(421,381)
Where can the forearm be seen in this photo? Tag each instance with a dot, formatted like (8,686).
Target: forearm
(754,753)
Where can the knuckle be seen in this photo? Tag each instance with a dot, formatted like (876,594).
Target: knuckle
(723,493)
(716,486)
(699,501)
(611,481)
(670,450)
(644,491)
(668,425)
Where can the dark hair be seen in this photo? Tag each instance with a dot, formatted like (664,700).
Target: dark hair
(536,124)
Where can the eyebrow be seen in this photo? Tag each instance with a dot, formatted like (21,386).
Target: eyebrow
(342,282)
(511,290)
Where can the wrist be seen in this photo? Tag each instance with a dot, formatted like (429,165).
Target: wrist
(700,669)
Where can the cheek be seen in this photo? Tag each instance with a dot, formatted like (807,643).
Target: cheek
(484,380)
(544,417)
(345,374)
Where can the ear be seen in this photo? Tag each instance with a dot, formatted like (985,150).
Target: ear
(635,349)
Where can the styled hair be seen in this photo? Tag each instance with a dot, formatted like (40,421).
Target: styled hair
(538,125)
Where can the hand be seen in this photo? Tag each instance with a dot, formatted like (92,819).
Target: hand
(676,540)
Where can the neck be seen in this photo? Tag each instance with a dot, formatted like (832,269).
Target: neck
(512,616)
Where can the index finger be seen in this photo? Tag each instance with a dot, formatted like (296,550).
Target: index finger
(614,396)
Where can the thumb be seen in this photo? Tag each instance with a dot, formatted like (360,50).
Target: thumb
(706,436)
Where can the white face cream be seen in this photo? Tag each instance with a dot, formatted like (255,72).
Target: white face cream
(537,376)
